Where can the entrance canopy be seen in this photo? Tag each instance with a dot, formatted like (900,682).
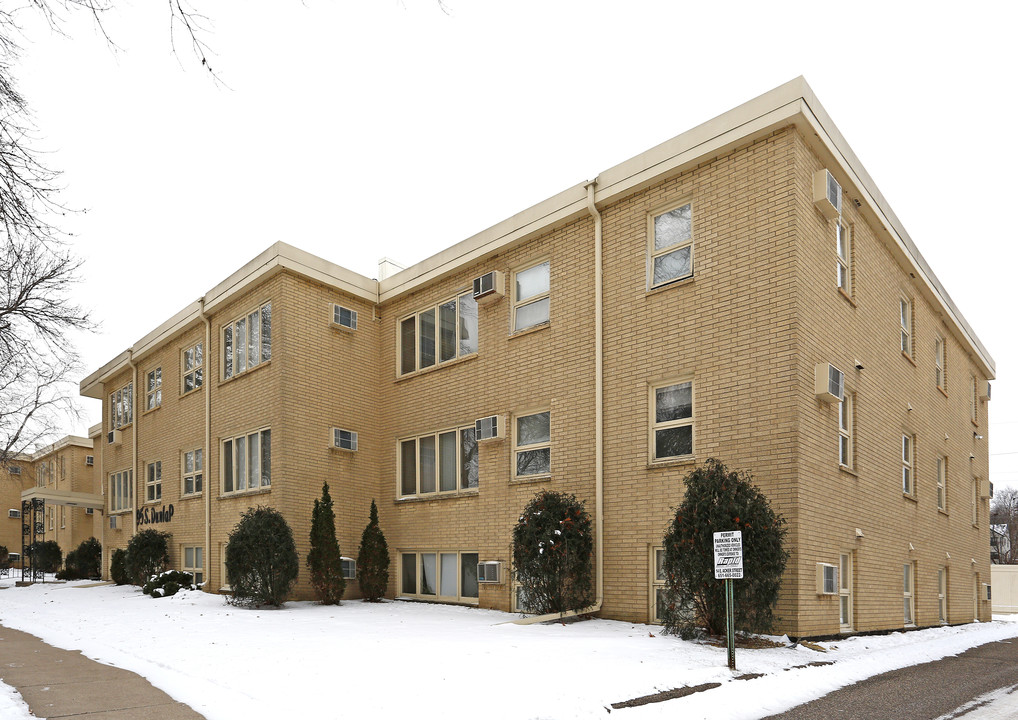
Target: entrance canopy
(64,497)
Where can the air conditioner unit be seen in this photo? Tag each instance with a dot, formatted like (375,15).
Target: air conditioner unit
(344,317)
(829,383)
(984,389)
(985,488)
(13,513)
(115,522)
(827,194)
(113,437)
(90,460)
(489,428)
(827,579)
(344,439)
(489,572)
(90,511)
(489,287)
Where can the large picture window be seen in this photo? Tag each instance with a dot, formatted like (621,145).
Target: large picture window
(672,434)
(440,462)
(447,575)
(671,245)
(438,335)
(533,445)
(121,407)
(247,462)
(247,341)
(121,494)
(531,301)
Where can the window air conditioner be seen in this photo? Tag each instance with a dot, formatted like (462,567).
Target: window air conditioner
(984,390)
(344,317)
(489,287)
(90,511)
(827,579)
(13,513)
(829,383)
(489,572)
(113,437)
(90,460)
(827,194)
(489,428)
(344,439)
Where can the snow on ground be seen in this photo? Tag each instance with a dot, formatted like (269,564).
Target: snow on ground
(437,661)
(12,707)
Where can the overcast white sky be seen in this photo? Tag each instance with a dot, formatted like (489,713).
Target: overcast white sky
(357,131)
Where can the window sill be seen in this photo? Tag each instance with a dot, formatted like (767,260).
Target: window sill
(191,496)
(245,373)
(439,366)
(191,392)
(678,282)
(245,493)
(672,462)
(527,480)
(148,411)
(848,298)
(128,511)
(910,496)
(942,391)
(470,492)
(943,512)
(160,501)
(848,471)
(909,358)
(530,330)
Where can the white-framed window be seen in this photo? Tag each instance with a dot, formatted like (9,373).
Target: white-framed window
(348,567)
(344,317)
(192,368)
(194,471)
(671,420)
(531,296)
(532,445)
(247,461)
(658,586)
(448,575)
(63,516)
(942,594)
(154,389)
(121,494)
(908,464)
(344,439)
(194,563)
(49,517)
(942,483)
(973,400)
(905,306)
(670,252)
(14,469)
(247,341)
(440,462)
(908,585)
(121,406)
(940,360)
(846,431)
(844,250)
(827,579)
(845,582)
(154,481)
(438,334)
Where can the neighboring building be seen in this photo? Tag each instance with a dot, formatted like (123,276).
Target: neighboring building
(688,303)
(14,478)
(1000,543)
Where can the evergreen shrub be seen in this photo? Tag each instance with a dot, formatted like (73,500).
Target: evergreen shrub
(324,560)
(373,560)
(168,582)
(83,563)
(261,559)
(47,554)
(147,555)
(118,567)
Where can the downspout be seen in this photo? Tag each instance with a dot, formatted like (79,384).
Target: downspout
(598,425)
(207,488)
(134,441)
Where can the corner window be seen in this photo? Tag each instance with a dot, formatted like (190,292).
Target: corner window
(154,481)
(942,483)
(533,445)
(194,563)
(905,305)
(672,433)
(531,301)
(438,335)
(121,404)
(908,464)
(247,341)
(194,471)
(671,245)
(908,579)
(846,431)
(438,462)
(446,575)
(247,462)
(154,389)
(940,360)
(844,249)
(193,368)
(121,494)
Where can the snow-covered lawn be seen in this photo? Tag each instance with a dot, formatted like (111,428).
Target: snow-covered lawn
(435,661)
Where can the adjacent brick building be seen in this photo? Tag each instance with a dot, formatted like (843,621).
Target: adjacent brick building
(688,303)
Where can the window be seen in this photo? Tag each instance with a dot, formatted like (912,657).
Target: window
(344,317)
(908,464)
(154,481)
(942,483)
(440,462)
(348,567)
(247,341)
(940,359)
(671,245)
(154,389)
(438,335)
(194,471)
(247,462)
(63,516)
(121,495)
(531,302)
(845,593)
(827,579)
(49,517)
(908,579)
(441,575)
(672,429)
(121,405)
(14,469)
(942,594)
(906,326)
(533,445)
(844,248)
(846,431)
(973,400)
(658,589)
(194,563)
(192,368)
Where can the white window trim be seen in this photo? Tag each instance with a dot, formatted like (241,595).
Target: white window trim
(230,369)
(197,370)
(153,389)
(653,254)
(906,322)
(846,582)
(908,593)
(122,407)
(669,424)
(843,249)
(459,430)
(458,299)
(942,470)
(197,475)
(195,568)
(336,317)
(540,445)
(908,464)
(657,583)
(348,568)
(235,465)
(846,430)
(517,303)
(154,482)
(827,579)
(459,598)
(940,361)
(942,594)
(119,481)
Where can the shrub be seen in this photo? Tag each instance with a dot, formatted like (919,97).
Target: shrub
(168,583)
(118,567)
(324,560)
(717,500)
(373,560)
(47,555)
(261,559)
(5,556)
(83,562)
(552,548)
(147,555)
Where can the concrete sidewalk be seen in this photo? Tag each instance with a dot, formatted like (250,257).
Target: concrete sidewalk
(64,683)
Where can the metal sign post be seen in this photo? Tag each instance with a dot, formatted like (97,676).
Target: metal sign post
(728,567)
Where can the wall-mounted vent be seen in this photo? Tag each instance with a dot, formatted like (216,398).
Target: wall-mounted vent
(489,287)
(344,317)
(344,439)
(90,460)
(13,513)
(489,572)
(827,579)
(114,437)
(827,194)
(829,383)
(490,428)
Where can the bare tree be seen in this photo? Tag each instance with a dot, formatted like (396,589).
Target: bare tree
(1004,526)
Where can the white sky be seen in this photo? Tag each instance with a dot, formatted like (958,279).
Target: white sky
(357,131)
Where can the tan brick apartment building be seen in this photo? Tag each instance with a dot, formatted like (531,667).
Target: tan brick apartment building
(680,306)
